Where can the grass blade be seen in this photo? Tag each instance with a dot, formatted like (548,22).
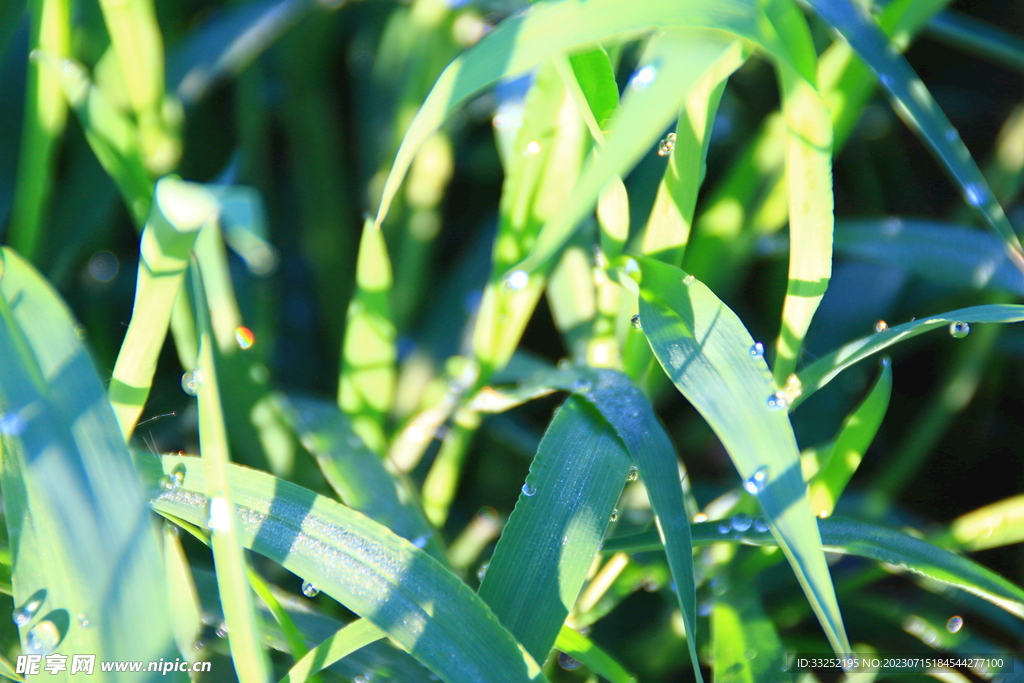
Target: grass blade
(739,626)
(357,474)
(366,387)
(549,543)
(522,42)
(179,210)
(423,607)
(970,35)
(582,649)
(343,643)
(920,111)
(251,662)
(809,181)
(46,115)
(712,360)
(991,526)
(944,253)
(841,459)
(672,64)
(824,370)
(87,562)
(186,610)
(851,537)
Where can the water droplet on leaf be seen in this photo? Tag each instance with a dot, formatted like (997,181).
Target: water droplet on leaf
(309,589)
(24,614)
(741,522)
(954,624)
(666,146)
(244,338)
(615,516)
(529,490)
(959,330)
(634,473)
(190,382)
(482,571)
(756,482)
(689,280)
(881,326)
(757,350)
(42,638)
(568,663)
(761,525)
(516,280)
(777,401)
(635,322)
(83,620)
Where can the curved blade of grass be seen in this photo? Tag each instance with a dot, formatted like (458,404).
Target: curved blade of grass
(377,574)
(43,125)
(596,78)
(347,640)
(943,253)
(251,662)
(809,183)
(843,456)
(630,414)
(673,63)
(968,34)
(81,536)
(522,42)
(292,636)
(582,649)
(708,353)
(111,135)
(186,610)
(357,474)
(739,626)
(852,537)
(824,370)
(919,110)
(366,386)
(179,210)
(550,540)
(992,526)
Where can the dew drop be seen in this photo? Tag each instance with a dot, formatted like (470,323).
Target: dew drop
(881,326)
(615,516)
(757,350)
(172,480)
(724,527)
(822,514)
(529,490)
(635,322)
(582,386)
(568,663)
(700,517)
(741,522)
(634,473)
(974,194)
(220,514)
(954,624)
(516,280)
(761,525)
(666,146)
(42,638)
(643,78)
(959,330)
(83,620)
(360,679)
(222,630)
(689,280)
(756,482)
(309,589)
(244,338)
(777,401)
(533,147)
(190,382)
(24,614)
(421,541)
(482,571)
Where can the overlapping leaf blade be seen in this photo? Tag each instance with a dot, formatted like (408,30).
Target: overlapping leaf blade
(712,360)
(80,531)
(423,607)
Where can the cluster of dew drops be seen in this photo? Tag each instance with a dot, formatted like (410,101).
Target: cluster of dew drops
(43,637)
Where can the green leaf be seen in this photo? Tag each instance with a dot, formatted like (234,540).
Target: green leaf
(357,474)
(341,644)
(919,109)
(852,537)
(843,456)
(380,576)
(179,210)
(549,542)
(672,65)
(366,386)
(991,526)
(711,358)
(943,253)
(76,514)
(739,627)
(523,41)
(596,77)
(252,664)
(582,649)
(824,370)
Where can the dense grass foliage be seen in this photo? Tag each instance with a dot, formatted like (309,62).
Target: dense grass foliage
(625,340)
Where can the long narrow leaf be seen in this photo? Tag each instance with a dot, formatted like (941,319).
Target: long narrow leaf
(423,607)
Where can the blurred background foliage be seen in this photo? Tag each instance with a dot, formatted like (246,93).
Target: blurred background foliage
(306,101)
